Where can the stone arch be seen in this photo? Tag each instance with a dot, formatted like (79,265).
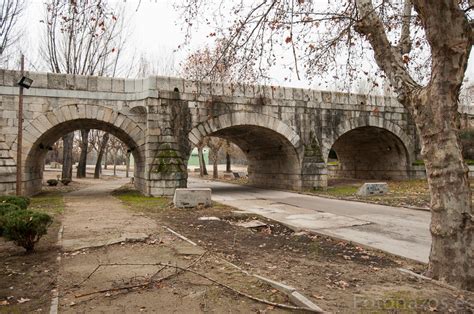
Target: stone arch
(273,149)
(47,128)
(371,148)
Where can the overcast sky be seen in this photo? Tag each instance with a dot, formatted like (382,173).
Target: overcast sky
(156,29)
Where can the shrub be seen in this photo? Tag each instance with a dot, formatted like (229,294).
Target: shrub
(25,227)
(65,181)
(52,182)
(6,208)
(20,201)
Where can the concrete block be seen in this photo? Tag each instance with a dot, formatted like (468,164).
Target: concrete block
(192,197)
(376,188)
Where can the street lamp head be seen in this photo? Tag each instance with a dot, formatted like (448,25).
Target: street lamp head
(25,82)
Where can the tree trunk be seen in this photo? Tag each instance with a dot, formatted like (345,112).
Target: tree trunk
(452,247)
(98,163)
(68,141)
(228,162)
(127,167)
(434,110)
(215,171)
(81,167)
(202,163)
(106,156)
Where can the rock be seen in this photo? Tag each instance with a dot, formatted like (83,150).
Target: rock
(184,198)
(376,188)
(209,218)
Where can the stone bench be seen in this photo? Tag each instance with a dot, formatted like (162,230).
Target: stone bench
(375,188)
(185,198)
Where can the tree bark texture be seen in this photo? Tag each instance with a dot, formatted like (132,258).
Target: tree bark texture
(434,110)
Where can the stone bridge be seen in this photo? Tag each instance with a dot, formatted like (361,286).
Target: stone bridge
(286,133)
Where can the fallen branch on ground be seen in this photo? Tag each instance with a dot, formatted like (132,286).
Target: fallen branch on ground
(142,285)
(187,269)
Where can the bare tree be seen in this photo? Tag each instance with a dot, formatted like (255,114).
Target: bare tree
(84,148)
(211,65)
(162,63)
(68,141)
(85,38)
(420,46)
(10,11)
(102,144)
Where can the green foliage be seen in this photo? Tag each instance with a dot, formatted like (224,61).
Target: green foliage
(52,182)
(20,201)
(6,208)
(26,227)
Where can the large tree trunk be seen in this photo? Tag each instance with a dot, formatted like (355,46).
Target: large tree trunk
(452,247)
(68,141)
(434,109)
(98,164)
(82,165)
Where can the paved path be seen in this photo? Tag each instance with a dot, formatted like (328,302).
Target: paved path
(399,231)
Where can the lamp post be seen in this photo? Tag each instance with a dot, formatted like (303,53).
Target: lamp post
(24,82)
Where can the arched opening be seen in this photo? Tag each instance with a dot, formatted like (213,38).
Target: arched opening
(273,161)
(220,159)
(35,156)
(368,153)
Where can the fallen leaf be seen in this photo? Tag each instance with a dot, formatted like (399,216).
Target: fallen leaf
(4,302)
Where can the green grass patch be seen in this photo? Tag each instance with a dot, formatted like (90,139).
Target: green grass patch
(418,163)
(138,201)
(469,162)
(48,202)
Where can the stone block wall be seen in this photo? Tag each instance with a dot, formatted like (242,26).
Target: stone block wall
(286,133)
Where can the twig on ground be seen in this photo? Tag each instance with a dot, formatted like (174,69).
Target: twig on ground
(142,285)
(186,269)
(284,306)
(180,236)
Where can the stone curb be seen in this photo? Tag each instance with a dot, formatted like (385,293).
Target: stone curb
(295,297)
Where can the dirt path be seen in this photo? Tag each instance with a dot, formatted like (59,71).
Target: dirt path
(95,218)
(107,246)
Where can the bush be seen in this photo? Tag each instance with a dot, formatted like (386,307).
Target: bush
(6,208)
(65,181)
(20,201)
(52,182)
(25,227)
